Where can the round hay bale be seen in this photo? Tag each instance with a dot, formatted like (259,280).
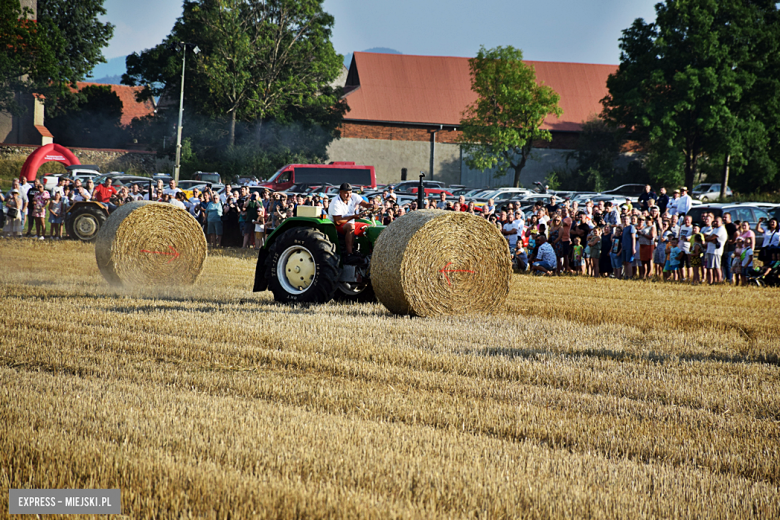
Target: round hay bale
(433,263)
(150,243)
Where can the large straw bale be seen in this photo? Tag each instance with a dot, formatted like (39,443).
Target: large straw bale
(150,243)
(433,263)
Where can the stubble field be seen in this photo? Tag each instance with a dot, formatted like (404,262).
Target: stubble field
(580,399)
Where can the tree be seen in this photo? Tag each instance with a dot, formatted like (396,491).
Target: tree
(685,84)
(82,35)
(26,60)
(259,60)
(499,128)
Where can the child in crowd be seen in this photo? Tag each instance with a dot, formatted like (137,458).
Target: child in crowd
(736,261)
(576,256)
(746,259)
(672,266)
(259,227)
(55,215)
(697,249)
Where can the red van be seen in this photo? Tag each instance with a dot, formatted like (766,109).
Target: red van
(321,174)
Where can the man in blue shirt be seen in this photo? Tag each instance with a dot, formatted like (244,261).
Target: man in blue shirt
(545,260)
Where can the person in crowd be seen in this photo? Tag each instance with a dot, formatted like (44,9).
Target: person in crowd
(684,233)
(645,197)
(673,263)
(728,250)
(662,201)
(103,193)
(545,258)
(616,252)
(259,223)
(489,208)
(442,204)
(646,237)
(736,259)
(509,230)
(56,207)
(80,193)
(746,260)
(671,208)
(594,243)
(554,239)
(30,190)
(15,207)
(213,220)
(135,193)
(629,246)
(172,189)
(40,199)
(715,238)
(684,203)
(577,256)
(771,238)
(60,187)
(177,199)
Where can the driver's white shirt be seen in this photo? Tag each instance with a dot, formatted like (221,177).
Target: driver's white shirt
(340,208)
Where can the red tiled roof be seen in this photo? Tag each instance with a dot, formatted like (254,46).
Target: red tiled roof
(130,107)
(436,89)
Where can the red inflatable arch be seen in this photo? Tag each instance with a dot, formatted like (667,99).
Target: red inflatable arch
(46,153)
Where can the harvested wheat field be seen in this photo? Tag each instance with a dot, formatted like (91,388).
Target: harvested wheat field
(579,399)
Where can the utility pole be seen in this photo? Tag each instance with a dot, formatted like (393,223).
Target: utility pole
(183,46)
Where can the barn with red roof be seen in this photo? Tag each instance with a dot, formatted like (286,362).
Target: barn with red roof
(404,112)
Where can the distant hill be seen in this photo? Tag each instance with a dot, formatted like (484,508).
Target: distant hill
(114,67)
(109,80)
(381,50)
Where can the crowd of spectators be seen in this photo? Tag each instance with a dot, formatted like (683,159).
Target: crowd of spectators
(654,238)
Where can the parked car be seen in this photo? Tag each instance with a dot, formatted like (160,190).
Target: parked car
(739,211)
(119,179)
(408,186)
(709,192)
(627,190)
(501,194)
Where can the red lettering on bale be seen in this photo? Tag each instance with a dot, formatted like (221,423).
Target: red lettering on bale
(175,253)
(445,271)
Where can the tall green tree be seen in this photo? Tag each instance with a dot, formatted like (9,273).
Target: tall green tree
(686,82)
(26,57)
(499,128)
(82,35)
(259,60)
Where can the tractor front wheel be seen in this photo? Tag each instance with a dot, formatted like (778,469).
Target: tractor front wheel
(302,267)
(85,223)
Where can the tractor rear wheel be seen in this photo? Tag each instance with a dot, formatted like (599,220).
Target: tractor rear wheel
(302,267)
(85,223)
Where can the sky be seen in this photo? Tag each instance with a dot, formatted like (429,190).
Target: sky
(583,31)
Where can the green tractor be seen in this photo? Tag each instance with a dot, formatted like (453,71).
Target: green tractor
(302,261)
(84,219)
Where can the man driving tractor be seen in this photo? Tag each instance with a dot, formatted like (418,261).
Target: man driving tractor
(343,210)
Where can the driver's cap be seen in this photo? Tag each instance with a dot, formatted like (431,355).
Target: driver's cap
(345,187)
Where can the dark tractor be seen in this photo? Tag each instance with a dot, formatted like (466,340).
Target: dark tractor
(84,219)
(302,261)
